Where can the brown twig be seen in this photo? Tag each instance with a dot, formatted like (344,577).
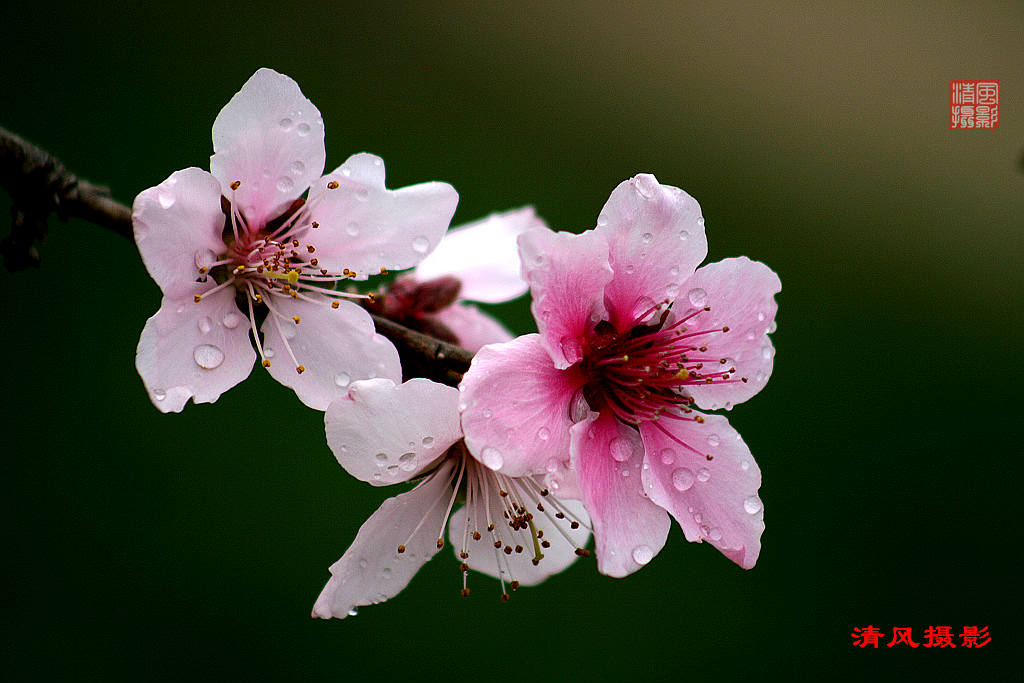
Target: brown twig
(39,185)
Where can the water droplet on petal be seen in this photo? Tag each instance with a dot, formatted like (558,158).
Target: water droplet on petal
(159,395)
(205,324)
(352,229)
(297,167)
(231,320)
(381,457)
(543,433)
(420,244)
(428,442)
(286,124)
(752,505)
(165,197)
(342,379)
(303,129)
(487,413)
(285,184)
(385,573)
(621,449)
(683,235)
(668,456)
(761,317)
(698,298)
(492,458)
(208,356)
(647,237)
(362,194)
(682,479)
(771,327)
(745,465)
(268,352)
(703,474)
(700,221)
(714,440)
(715,535)
(645,186)
(406,461)
(571,348)
(672,290)
(642,554)
(630,268)
(552,465)
(766,352)
(751,334)
(363,563)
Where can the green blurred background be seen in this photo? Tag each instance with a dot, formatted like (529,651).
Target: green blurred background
(149,546)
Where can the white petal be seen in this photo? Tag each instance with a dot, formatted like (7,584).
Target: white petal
(372,570)
(385,433)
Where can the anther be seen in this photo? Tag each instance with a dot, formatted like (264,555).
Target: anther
(266,363)
(197,298)
(315,225)
(476,535)
(334,304)
(582,552)
(560,515)
(464,592)
(490,527)
(464,567)
(519,548)
(508,550)
(297,319)
(574,525)
(333,185)
(309,248)
(313,262)
(503,494)
(514,585)
(370,296)
(235,185)
(725,329)
(505,597)
(383,270)
(700,420)
(497,544)
(545,544)
(401,549)
(202,271)
(709,457)
(464,555)
(300,369)
(295,243)
(440,543)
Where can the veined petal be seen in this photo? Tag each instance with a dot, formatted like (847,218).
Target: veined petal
(567,275)
(384,433)
(629,530)
(365,227)
(474,328)
(483,255)
(334,346)
(178,226)
(515,407)
(713,500)
(372,570)
(656,239)
(270,138)
(194,350)
(484,558)
(741,294)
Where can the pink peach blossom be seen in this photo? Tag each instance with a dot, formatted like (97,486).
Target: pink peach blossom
(510,528)
(632,335)
(244,234)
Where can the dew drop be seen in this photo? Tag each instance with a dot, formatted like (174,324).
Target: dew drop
(285,184)
(407,461)
(381,457)
(715,535)
(205,325)
(428,442)
(698,298)
(571,348)
(645,186)
(752,505)
(420,244)
(363,563)
(552,465)
(342,379)
(751,334)
(487,413)
(771,327)
(759,376)
(385,573)
(647,237)
(362,193)
(761,317)
(297,167)
(621,449)
(543,433)
(302,129)
(745,465)
(668,456)
(231,320)
(766,352)
(714,440)
(682,479)
(630,268)
(683,235)
(286,123)
(672,290)
(642,554)
(268,352)
(166,198)
(492,458)
(700,221)
(159,395)
(703,474)
(208,356)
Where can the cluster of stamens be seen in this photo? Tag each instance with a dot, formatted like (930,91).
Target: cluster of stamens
(527,510)
(643,375)
(273,261)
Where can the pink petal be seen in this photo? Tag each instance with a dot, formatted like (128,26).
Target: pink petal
(194,350)
(270,138)
(515,407)
(372,570)
(656,239)
(474,328)
(741,294)
(714,500)
(629,530)
(178,226)
(335,346)
(385,433)
(483,255)
(567,275)
(365,227)
(519,566)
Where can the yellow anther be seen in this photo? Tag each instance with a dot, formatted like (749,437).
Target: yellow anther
(625,358)
(266,363)
(197,298)
(699,419)
(333,185)
(371,297)
(315,225)
(401,549)
(235,185)
(383,270)
(683,374)
(334,304)
(293,276)
(297,319)
(301,369)
(202,271)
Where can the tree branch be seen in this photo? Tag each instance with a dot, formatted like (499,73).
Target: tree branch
(39,185)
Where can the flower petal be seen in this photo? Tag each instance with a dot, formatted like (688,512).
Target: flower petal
(515,407)
(656,239)
(474,328)
(741,294)
(714,500)
(372,570)
(271,139)
(484,558)
(194,350)
(384,433)
(483,255)
(629,530)
(365,227)
(178,226)
(334,346)
(567,275)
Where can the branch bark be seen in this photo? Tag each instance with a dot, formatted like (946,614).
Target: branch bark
(40,185)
